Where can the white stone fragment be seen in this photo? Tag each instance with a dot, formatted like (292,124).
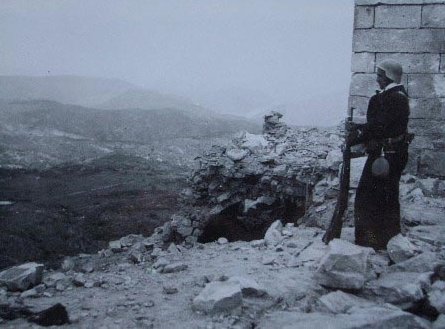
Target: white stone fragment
(273,234)
(249,287)
(344,266)
(400,248)
(218,296)
(22,277)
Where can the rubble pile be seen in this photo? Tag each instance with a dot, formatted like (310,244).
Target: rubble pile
(238,189)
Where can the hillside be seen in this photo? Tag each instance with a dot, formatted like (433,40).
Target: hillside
(36,132)
(148,100)
(64,89)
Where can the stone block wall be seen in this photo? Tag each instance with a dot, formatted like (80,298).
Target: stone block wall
(411,32)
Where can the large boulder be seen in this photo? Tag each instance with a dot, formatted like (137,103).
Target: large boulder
(424,262)
(218,296)
(340,302)
(432,234)
(366,318)
(399,288)
(414,214)
(22,277)
(400,248)
(345,266)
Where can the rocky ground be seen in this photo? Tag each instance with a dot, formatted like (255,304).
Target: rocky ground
(285,278)
(289,279)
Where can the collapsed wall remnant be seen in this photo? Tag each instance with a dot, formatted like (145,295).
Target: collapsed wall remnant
(237,190)
(411,32)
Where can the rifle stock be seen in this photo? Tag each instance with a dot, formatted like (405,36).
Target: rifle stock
(335,227)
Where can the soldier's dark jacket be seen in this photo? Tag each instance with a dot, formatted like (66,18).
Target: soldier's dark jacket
(377,208)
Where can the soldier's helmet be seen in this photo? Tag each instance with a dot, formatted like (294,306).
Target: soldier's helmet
(393,70)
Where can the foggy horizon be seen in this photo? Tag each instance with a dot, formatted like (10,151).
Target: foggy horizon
(223,55)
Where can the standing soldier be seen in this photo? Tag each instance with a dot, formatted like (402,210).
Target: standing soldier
(377,207)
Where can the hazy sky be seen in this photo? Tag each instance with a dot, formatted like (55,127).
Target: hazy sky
(287,49)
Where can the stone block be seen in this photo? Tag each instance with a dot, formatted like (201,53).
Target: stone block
(345,266)
(400,248)
(249,287)
(340,302)
(415,215)
(398,287)
(273,234)
(422,143)
(424,262)
(399,40)
(363,62)
(363,17)
(427,127)
(427,108)
(433,16)
(218,296)
(364,84)
(360,104)
(432,163)
(413,63)
(397,16)
(426,85)
(22,277)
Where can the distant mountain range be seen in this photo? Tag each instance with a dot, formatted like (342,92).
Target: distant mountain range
(77,90)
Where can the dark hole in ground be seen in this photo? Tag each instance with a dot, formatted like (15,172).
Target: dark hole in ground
(233,225)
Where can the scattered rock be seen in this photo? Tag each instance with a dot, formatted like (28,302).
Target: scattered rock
(161,263)
(34,292)
(87,267)
(174,267)
(273,234)
(79,280)
(237,154)
(130,240)
(258,243)
(51,280)
(268,260)
(115,246)
(56,315)
(437,296)
(400,248)
(400,288)
(67,264)
(432,234)
(136,256)
(340,302)
(22,277)
(345,266)
(218,296)
(222,241)
(249,287)
(169,290)
(424,262)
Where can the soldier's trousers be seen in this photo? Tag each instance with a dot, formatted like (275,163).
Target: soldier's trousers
(377,207)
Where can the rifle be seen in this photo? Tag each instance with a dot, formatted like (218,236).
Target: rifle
(334,229)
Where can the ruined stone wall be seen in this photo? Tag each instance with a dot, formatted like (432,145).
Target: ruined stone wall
(413,33)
